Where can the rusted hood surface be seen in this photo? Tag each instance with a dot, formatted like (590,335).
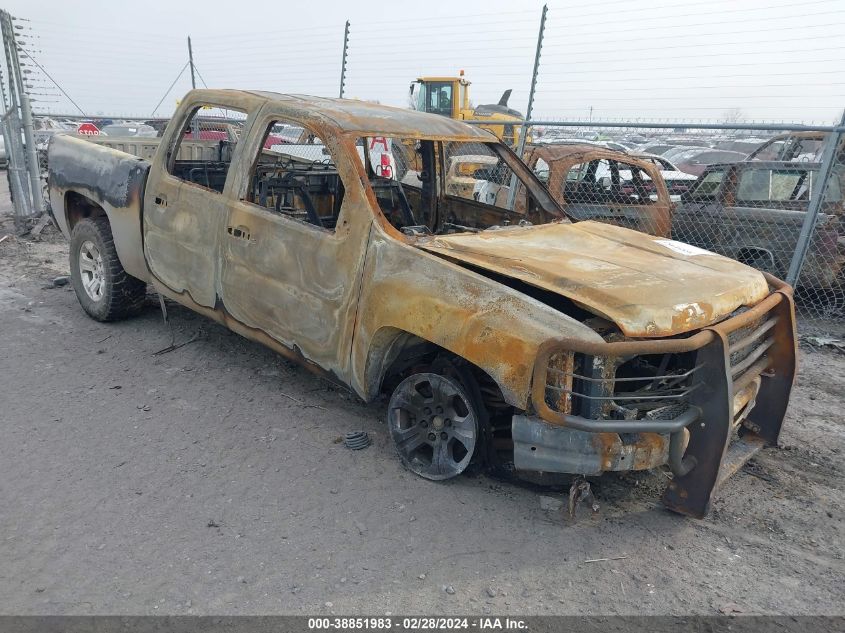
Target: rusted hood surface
(648,286)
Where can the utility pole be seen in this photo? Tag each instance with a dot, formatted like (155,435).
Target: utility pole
(524,131)
(191,61)
(343,58)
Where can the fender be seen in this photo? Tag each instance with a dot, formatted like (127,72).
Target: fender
(109,179)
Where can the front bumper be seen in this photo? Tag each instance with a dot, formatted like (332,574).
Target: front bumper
(744,368)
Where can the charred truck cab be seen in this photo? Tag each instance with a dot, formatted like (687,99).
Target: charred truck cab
(375,246)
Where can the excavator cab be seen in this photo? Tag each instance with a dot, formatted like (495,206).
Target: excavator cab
(449,96)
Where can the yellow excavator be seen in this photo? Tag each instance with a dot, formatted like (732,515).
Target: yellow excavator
(449,96)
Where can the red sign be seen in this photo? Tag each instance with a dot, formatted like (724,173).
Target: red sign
(89,129)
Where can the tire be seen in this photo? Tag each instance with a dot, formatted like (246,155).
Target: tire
(104,290)
(437,423)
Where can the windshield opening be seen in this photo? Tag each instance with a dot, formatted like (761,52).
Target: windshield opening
(427,186)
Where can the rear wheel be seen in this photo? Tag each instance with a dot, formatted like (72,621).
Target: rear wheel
(104,289)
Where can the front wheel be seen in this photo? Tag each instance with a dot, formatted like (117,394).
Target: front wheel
(434,425)
(104,289)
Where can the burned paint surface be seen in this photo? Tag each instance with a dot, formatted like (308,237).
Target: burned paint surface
(111,179)
(118,177)
(350,116)
(648,287)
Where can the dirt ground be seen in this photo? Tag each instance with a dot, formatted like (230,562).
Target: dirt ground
(210,480)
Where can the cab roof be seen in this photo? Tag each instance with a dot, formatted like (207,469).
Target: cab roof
(351,115)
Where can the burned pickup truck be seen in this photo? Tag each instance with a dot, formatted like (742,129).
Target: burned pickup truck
(512,336)
(753,212)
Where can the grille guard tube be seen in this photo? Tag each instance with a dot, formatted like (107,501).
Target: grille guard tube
(637,347)
(619,348)
(678,464)
(674,426)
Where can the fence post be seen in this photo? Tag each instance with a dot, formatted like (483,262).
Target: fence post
(816,199)
(33,166)
(343,58)
(31,153)
(19,194)
(524,129)
(18,159)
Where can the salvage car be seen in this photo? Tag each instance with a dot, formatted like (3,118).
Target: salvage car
(595,183)
(753,212)
(677,181)
(793,146)
(518,337)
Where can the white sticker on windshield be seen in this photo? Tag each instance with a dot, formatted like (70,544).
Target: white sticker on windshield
(684,249)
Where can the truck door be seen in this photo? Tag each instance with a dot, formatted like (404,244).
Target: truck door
(700,218)
(294,242)
(184,206)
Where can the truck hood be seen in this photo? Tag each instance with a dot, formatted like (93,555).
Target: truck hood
(648,286)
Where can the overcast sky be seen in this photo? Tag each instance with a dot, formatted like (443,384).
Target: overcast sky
(617,59)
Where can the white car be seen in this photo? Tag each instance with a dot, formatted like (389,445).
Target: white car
(677,181)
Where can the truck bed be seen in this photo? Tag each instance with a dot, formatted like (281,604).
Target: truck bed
(146,147)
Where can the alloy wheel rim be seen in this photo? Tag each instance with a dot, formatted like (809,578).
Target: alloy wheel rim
(91,270)
(433,426)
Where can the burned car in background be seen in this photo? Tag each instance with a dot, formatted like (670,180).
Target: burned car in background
(753,212)
(514,336)
(696,160)
(794,146)
(594,183)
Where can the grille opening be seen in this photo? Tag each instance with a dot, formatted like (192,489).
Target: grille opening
(649,386)
(655,386)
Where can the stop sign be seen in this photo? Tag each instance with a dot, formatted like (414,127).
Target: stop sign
(88,129)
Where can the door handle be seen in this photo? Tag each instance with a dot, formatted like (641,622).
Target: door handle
(161,200)
(239,232)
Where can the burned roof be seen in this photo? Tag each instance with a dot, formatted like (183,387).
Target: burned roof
(351,115)
(552,152)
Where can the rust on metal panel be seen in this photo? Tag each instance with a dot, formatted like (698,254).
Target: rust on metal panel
(647,286)
(647,451)
(408,290)
(361,118)
(305,297)
(348,298)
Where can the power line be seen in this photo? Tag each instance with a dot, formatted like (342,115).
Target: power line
(50,77)
(199,74)
(170,88)
(637,8)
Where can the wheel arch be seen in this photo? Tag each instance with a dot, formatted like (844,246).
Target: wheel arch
(125,227)
(748,254)
(78,206)
(392,349)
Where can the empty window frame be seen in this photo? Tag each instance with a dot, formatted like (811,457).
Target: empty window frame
(295,175)
(202,152)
